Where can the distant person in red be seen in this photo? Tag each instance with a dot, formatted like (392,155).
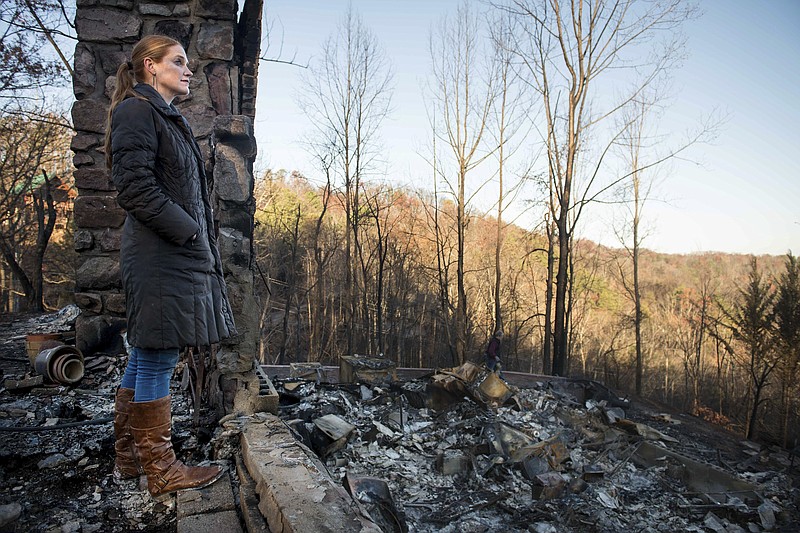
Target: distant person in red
(493,351)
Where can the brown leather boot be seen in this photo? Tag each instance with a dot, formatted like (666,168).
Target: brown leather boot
(126,465)
(150,425)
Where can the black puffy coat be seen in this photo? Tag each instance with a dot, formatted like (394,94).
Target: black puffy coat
(174,285)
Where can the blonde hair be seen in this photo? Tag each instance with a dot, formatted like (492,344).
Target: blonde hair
(129,73)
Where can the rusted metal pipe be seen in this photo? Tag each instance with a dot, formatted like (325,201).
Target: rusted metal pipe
(61,364)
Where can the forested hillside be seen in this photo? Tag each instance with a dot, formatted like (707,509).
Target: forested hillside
(696,309)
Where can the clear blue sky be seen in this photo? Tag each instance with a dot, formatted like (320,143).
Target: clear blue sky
(744,60)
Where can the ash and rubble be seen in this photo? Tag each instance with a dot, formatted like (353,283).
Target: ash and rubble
(449,453)
(455,450)
(57,443)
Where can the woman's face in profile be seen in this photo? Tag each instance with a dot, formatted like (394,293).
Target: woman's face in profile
(172,74)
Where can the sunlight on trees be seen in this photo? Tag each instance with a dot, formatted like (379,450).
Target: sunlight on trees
(35,170)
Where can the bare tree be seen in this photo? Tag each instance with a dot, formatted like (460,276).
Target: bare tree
(693,311)
(322,256)
(463,90)
(643,151)
(347,95)
(636,142)
(385,219)
(508,121)
(29,29)
(550,231)
(633,144)
(721,339)
(443,243)
(34,158)
(569,50)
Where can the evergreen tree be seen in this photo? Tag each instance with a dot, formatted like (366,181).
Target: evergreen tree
(787,338)
(750,321)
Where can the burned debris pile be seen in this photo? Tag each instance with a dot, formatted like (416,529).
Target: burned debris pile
(462,450)
(458,449)
(57,444)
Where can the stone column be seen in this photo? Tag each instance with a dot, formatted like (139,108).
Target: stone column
(223,55)
(233,382)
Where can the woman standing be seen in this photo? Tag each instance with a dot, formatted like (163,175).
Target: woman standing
(171,269)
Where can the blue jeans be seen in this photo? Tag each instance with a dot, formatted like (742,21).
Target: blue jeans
(148,373)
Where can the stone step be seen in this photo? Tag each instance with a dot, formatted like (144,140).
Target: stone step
(212,508)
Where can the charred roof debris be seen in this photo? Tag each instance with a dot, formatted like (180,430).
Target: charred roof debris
(458,449)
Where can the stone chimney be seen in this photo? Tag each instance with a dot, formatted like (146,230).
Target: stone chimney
(224,55)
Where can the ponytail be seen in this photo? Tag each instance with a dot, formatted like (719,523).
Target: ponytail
(125,82)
